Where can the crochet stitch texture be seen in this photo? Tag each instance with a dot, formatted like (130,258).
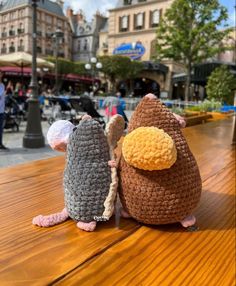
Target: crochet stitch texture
(163,196)
(87,176)
(149,148)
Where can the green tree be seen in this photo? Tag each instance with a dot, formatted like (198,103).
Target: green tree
(64,66)
(220,85)
(79,68)
(119,67)
(189,33)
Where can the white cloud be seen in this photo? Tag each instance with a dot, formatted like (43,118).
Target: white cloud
(89,7)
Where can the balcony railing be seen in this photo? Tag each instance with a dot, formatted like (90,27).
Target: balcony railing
(11,33)
(20,48)
(39,33)
(3,50)
(12,49)
(49,52)
(20,31)
(61,54)
(4,35)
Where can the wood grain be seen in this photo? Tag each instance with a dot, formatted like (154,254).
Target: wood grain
(34,168)
(167,255)
(133,254)
(40,255)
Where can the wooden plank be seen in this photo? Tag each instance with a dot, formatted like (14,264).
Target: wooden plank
(204,141)
(167,255)
(34,256)
(30,255)
(31,169)
(198,119)
(211,145)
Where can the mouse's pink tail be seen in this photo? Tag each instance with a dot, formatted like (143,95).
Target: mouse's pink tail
(50,220)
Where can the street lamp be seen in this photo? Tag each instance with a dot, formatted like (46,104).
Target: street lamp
(95,65)
(57,37)
(33,137)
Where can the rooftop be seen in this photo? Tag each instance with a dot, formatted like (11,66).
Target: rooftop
(48,5)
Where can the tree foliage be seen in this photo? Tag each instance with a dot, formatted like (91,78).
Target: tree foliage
(66,66)
(189,33)
(119,67)
(220,85)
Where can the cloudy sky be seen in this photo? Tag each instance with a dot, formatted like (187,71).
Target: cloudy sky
(91,6)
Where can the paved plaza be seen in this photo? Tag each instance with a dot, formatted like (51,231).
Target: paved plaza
(17,154)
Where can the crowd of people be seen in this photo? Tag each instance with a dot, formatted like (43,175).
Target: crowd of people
(18,94)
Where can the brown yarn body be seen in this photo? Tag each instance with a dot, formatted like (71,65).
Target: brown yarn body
(166,196)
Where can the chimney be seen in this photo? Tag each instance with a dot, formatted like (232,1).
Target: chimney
(69,12)
(80,16)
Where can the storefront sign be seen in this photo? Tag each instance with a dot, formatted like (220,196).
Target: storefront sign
(134,51)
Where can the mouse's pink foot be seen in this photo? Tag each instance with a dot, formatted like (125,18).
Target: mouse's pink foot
(151,96)
(87,226)
(50,220)
(124,214)
(188,221)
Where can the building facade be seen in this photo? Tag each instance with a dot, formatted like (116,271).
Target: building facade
(131,31)
(85,34)
(16,28)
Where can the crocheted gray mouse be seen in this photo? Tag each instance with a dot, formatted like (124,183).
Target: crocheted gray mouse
(90,178)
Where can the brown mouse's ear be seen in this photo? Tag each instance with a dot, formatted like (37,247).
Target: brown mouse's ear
(114,130)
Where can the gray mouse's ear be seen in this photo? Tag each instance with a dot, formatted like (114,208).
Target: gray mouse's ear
(115,129)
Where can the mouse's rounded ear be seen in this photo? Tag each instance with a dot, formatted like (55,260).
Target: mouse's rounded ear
(114,130)
(149,148)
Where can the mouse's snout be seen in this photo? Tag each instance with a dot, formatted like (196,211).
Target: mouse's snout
(149,148)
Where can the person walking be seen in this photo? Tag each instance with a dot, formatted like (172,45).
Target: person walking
(2,110)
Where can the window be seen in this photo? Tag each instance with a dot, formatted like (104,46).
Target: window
(20,30)
(155,18)
(124,23)
(49,19)
(127,2)
(88,28)
(59,24)
(139,21)
(12,48)
(21,46)
(4,33)
(85,45)
(21,13)
(79,45)
(81,30)
(3,49)
(11,31)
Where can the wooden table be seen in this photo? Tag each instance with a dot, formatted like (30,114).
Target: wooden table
(132,254)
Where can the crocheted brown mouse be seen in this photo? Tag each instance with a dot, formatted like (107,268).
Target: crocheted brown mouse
(159,177)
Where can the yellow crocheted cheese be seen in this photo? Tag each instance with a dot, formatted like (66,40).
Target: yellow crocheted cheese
(149,148)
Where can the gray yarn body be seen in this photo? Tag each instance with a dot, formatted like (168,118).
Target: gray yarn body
(87,176)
